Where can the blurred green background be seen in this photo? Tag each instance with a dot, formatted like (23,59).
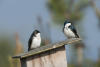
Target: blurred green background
(19,18)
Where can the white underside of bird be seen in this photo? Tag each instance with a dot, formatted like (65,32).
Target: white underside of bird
(69,33)
(36,42)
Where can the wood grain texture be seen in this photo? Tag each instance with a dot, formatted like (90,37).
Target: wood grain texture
(52,55)
(59,59)
(29,63)
(52,58)
(47,48)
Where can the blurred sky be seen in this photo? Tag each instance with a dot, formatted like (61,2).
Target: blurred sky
(21,16)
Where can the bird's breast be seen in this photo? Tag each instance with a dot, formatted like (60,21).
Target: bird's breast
(69,33)
(36,42)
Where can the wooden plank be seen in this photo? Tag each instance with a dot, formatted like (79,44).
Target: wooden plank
(59,58)
(52,58)
(47,48)
(46,61)
(29,62)
(37,61)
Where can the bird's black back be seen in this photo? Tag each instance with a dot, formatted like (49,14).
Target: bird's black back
(74,30)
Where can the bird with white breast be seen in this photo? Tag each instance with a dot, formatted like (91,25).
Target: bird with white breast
(34,40)
(69,30)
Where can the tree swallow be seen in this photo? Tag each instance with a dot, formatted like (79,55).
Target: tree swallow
(69,30)
(35,40)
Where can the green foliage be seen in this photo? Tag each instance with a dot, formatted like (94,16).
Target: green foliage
(6,50)
(70,9)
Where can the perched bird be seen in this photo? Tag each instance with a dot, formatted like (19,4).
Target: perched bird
(69,30)
(35,40)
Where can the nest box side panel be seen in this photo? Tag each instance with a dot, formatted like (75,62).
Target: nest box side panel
(52,58)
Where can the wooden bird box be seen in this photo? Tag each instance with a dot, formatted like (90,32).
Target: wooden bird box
(51,55)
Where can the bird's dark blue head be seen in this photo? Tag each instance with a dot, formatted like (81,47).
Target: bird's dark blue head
(35,32)
(66,21)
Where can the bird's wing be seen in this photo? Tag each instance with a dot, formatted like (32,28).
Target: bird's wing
(30,41)
(74,30)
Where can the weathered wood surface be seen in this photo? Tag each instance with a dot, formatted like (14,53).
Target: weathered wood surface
(53,58)
(47,48)
(51,55)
